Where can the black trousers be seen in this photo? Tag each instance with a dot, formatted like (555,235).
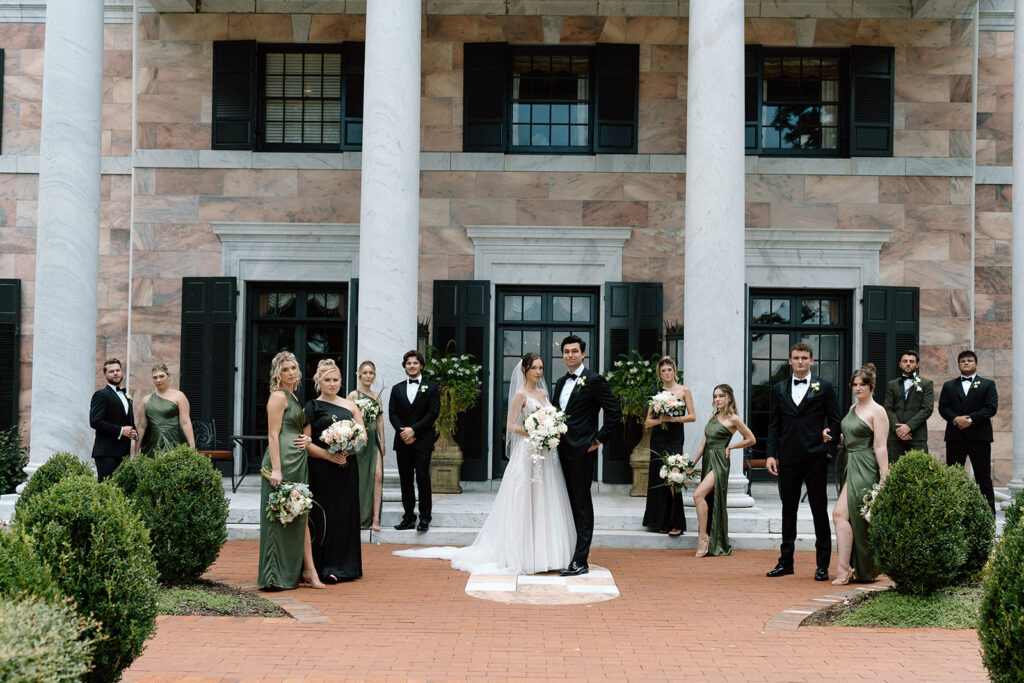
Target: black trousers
(899,447)
(578,467)
(414,464)
(105,466)
(810,470)
(980,453)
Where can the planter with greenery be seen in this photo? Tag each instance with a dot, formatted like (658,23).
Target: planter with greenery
(458,382)
(632,379)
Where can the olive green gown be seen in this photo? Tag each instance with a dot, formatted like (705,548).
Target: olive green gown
(163,431)
(367,469)
(861,473)
(281,546)
(717,438)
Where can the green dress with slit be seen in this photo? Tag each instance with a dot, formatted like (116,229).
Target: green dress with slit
(367,469)
(717,437)
(281,546)
(163,430)
(861,473)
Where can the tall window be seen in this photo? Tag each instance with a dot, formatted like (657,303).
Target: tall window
(551,102)
(301,97)
(800,104)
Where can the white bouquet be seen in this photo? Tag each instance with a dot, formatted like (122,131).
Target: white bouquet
(544,429)
(346,435)
(869,498)
(288,501)
(677,470)
(369,408)
(667,404)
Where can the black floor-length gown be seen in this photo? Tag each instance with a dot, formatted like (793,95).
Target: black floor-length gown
(664,509)
(334,521)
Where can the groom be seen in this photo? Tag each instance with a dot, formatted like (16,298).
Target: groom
(111,415)
(582,394)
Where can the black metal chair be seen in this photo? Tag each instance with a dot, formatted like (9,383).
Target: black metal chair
(750,464)
(205,432)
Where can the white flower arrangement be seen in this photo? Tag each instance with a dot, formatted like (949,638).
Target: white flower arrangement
(344,435)
(287,502)
(667,404)
(869,500)
(544,429)
(370,409)
(677,470)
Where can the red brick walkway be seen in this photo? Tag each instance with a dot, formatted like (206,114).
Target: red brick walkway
(677,618)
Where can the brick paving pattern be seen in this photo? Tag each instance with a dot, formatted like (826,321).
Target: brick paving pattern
(677,617)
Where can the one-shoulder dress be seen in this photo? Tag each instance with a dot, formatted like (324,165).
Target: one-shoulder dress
(664,508)
(861,473)
(163,430)
(717,437)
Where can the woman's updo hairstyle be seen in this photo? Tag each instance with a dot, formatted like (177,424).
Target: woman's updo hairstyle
(528,360)
(667,360)
(324,368)
(160,367)
(275,368)
(866,373)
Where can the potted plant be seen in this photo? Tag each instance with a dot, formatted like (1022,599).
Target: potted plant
(458,382)
(632,379)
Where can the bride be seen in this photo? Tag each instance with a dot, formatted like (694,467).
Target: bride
(530,528)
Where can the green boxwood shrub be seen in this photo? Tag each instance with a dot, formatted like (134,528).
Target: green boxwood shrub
(44,641)
(917,527)
(978,522)
(13,458)
(1001,622)
(1013,513)
(59,465)
(98,551)
(22,573)
(182,502)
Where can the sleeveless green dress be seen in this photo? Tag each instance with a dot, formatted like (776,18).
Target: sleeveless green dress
(163,431)
(717,438)
(367,459)
(281,546)
(861,473)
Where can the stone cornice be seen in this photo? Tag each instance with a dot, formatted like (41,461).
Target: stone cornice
(22,11)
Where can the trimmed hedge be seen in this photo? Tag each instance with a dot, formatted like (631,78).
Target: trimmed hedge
(978,522)
(43,641)
(22,573)
(98,551)
(1013,513)
(59,465)
(181,498)
(1001,622)
(13,458)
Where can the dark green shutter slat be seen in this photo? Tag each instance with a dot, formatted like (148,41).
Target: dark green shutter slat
(352,66)
(234,94)
(10,351)
(462,315)
(871,110)
(617,97)
(891,326)
(208,315)
(752,97)
(485,97)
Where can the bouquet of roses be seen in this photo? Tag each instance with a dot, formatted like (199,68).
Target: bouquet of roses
(677,470)
(369,408)
(288,501)
(346,435)
(666,404)
(544,429)
(869,498)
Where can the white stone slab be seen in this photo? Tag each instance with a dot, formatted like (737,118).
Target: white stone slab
(486,586)
(578,588)
(551,580)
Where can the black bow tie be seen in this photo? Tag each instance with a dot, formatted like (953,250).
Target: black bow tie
(414,381)
(966,379)
(571,375)
(119,389)
(908,377)
(799,381)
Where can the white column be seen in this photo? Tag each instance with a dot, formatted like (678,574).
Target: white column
(713,305)
(1017,483)
(389,234)
(67,234)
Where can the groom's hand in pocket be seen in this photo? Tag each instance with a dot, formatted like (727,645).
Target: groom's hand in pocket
(593,447)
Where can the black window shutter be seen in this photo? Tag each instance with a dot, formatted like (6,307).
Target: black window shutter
(353,328)
(234,94)
(633,322)
(617,97)
(1,87)
(10,348)
(485,97)
(752,98)
(462,317)
(891,326)
(871,110)
(353,57)
(208,313)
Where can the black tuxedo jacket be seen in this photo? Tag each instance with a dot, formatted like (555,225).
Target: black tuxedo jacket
(913,410)
(420,414)
(585,402)
(107,416)
(796,429)
(980,404)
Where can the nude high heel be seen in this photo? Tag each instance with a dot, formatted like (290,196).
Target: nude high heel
(702,545)
(843,576)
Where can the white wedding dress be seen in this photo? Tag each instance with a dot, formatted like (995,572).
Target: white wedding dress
(530,528)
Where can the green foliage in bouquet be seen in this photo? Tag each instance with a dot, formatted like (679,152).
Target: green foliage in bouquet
(182,502)
(978,522)
(1013,513)
(59,465)
(22,573)
(1001,623)
(44,641)
(632,380)
(917,525)
(458,382)
(13,458)
(98,550)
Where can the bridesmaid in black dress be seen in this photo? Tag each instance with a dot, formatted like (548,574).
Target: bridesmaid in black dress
(334,482)
(664,512)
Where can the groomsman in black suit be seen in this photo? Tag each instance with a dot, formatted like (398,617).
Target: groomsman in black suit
(412,409)
(803,407)
(582,394)
(967,404)
(909,400)
(111,415)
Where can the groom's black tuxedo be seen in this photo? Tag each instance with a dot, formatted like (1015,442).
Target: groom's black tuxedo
(980,403)
(795,441)
(414,459)
(108,416)
(589,397)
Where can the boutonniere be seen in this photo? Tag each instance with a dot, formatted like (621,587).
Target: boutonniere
(129,398)
(581,382)
(917,387)
(816,386)
(975,385)
(423,388)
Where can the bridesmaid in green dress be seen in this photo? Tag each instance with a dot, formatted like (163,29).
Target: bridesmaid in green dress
(163,417)
(713,534)
(865,429)
(371,458)
(285,551)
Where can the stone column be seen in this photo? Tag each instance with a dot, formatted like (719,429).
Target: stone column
(714,261)
(389,233)
(67,233)
(1017,483)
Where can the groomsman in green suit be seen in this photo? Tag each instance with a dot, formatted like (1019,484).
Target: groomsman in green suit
(909,400)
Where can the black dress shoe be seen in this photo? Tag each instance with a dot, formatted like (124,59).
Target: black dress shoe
(821,574)
(405,524)
(422,526)
(780,570)
(575,569)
